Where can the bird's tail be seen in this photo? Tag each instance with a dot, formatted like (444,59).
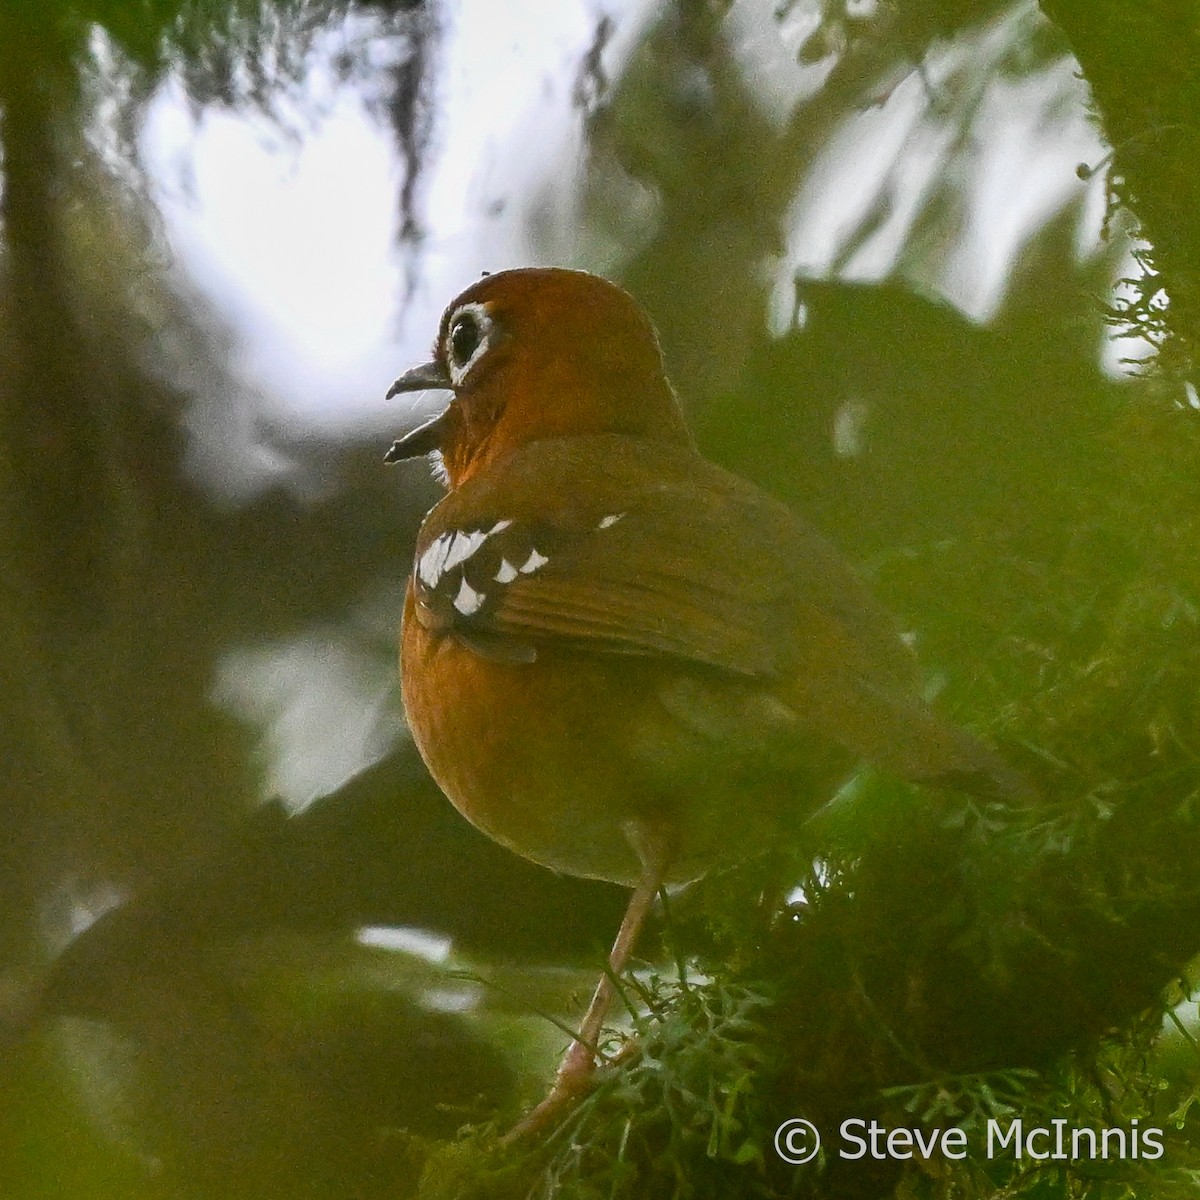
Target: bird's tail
(905,736)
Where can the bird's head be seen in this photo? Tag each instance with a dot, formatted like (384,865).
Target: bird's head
(539,353)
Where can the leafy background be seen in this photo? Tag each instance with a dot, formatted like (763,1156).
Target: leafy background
(902,281)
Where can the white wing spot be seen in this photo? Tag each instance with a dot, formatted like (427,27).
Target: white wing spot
(462,547)
(507,572)
(535,562)
(468,600)
(450,550)
(433,561)
(609,521)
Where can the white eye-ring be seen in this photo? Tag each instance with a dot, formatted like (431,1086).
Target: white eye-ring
(468,335)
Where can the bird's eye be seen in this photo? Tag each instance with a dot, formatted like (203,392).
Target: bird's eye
(470,333)
(465,336)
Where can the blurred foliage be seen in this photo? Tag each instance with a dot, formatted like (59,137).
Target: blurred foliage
(213,1032)
(1138,61)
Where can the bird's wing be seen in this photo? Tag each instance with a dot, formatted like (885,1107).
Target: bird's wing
(643,553)
(607,546)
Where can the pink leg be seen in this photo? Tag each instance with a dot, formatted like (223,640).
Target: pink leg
(575,1071)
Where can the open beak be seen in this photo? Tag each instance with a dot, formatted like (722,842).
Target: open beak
(428,437)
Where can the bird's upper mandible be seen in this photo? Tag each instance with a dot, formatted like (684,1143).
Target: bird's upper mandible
(540,353)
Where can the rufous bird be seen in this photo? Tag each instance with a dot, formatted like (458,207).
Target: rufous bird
(618,659)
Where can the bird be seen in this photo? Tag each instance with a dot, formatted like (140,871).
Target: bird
(618,659)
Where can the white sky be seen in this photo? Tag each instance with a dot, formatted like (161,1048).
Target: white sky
(297,241)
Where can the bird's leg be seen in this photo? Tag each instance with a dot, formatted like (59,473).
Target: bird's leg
(577,1064)
(575,1070)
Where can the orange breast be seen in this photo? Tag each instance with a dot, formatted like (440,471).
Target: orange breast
(515,748)
(554,758)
